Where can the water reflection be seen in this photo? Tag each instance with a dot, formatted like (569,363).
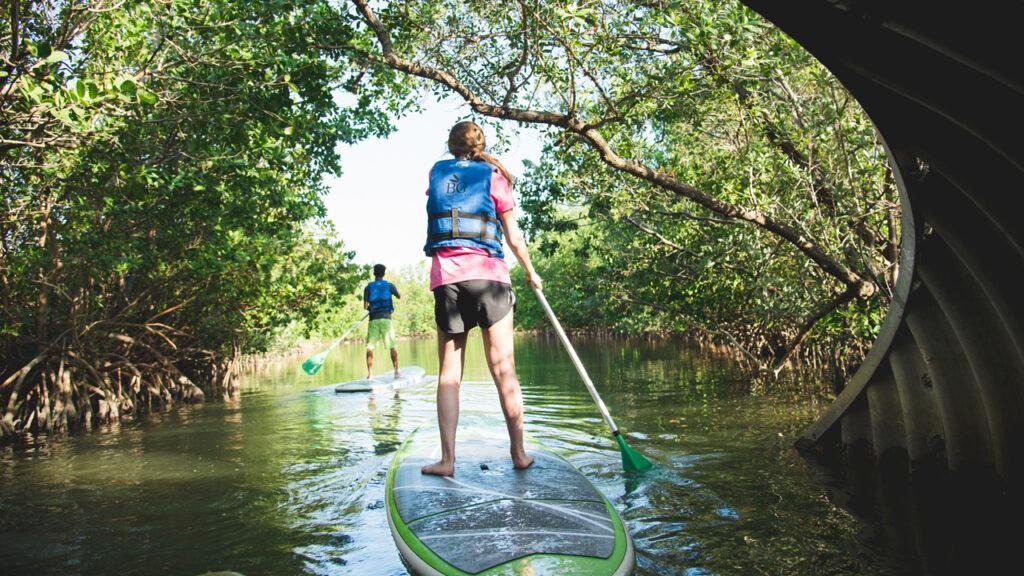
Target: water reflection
(288,478)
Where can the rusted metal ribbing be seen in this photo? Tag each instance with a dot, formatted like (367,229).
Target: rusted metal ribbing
(979,299)
(941,29)
(887,426)
(855,426)
(996,364)
(958,402)
(986,181)
(917,400)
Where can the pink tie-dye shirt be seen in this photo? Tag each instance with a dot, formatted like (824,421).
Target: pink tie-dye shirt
(458,264)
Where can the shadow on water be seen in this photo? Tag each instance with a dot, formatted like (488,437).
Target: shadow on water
(290,479)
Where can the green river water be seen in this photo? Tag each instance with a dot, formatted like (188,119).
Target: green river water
(289,478)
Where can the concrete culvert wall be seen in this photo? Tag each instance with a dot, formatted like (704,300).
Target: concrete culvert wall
(942,390)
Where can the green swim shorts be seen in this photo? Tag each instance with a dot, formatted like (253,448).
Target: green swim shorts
(380,330)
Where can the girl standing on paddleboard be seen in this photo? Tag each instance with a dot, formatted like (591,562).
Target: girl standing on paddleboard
(469,208)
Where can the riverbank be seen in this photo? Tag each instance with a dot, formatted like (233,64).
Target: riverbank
(803,377)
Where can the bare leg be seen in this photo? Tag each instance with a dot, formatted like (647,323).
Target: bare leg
(394,360)
(450,348)
(369,363)
(501,360)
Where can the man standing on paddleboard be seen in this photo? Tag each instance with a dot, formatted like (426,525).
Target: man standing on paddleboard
(469,209)
(377,299)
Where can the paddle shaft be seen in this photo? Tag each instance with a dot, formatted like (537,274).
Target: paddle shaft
(576,361)
(350,329)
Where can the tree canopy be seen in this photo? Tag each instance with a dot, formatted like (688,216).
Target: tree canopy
(162,170)
(710,173)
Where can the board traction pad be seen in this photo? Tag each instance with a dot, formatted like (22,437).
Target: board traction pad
(482,518)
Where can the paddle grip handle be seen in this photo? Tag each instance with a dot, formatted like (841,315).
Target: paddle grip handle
(576,361)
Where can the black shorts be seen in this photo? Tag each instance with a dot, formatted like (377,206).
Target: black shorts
(461,306)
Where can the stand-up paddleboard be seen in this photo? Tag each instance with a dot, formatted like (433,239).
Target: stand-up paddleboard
(490,518)
(409,376)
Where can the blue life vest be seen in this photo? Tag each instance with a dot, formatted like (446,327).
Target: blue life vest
(379,296)
(460,210)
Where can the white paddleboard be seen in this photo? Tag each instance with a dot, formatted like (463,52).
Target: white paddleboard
(408,376)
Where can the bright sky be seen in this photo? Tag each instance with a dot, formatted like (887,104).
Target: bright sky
(378,204)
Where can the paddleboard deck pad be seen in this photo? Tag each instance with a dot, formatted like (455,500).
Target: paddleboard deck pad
(409,375)
(490,518)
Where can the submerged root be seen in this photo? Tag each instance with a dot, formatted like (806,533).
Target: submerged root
(75,385)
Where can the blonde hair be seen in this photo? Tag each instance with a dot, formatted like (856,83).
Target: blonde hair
(466,141)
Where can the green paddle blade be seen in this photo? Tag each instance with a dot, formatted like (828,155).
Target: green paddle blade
(314,364)
(631,459)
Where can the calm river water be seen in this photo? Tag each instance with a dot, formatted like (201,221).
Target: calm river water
(289,478)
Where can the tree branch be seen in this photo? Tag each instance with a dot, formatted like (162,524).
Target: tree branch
(827,263)
(782,358)
(688,216)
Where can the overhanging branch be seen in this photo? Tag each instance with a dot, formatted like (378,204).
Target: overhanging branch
(833,267)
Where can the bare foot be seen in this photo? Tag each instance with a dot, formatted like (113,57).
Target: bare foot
(397,375)
(441,468)
(522,461)
(369,375)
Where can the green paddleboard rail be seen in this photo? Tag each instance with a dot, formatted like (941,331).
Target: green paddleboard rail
(535,563)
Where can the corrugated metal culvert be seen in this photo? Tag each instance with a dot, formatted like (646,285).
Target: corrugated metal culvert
(932,420)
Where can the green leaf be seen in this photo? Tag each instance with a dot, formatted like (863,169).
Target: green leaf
(35,94)
(147,97)
(92,91)
(127,87)
(56,56)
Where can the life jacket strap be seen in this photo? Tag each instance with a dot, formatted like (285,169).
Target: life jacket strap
(484,234)
(454,213)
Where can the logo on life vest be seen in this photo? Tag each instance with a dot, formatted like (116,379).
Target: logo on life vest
(454,186)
